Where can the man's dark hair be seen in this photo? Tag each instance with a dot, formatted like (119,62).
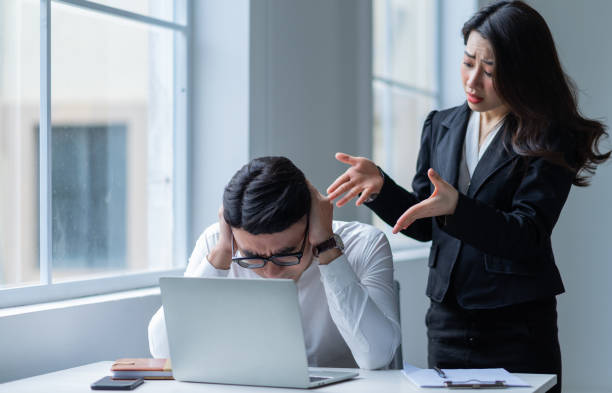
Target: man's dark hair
(267,195)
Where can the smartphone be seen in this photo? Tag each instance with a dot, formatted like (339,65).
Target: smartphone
(108,383)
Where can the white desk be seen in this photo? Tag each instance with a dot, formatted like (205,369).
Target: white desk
(78,379)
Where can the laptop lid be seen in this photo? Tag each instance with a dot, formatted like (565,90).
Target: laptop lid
(235,331)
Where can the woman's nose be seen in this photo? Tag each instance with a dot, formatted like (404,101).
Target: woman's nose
(473,79)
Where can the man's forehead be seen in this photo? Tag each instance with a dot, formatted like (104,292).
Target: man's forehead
(268,243)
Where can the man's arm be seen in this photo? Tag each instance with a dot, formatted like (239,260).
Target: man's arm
(362,299)
(201,261)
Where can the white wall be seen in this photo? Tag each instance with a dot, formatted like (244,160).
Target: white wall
(310,85)
(220,104)
(72,333)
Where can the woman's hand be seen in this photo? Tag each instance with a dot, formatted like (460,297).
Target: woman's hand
(442,202)
(363,177)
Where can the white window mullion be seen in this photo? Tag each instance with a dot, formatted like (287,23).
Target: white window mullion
(101,8)
(387,113)
(44,143)
(181,137)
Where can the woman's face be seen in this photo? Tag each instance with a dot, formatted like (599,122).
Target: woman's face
(477,71)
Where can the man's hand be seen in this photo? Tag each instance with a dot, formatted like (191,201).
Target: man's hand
(321,216)
(443,201)
(221,254)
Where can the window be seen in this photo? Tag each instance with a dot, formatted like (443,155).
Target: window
(93,109)
(404,88)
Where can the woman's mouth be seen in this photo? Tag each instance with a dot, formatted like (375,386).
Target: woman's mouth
(473,98)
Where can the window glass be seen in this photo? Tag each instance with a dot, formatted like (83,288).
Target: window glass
(404,88)
(112,144)
(19,118)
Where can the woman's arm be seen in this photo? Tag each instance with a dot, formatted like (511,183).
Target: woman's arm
(394,200)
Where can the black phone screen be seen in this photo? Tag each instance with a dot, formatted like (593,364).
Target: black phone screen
(108,383)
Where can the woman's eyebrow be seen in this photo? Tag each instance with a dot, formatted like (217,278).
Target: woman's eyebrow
(486,61)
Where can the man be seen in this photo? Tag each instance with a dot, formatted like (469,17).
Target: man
(274,224)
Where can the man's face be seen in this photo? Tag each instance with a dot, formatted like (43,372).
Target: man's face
(291,240)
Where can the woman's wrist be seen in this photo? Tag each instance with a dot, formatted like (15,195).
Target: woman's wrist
(374,195)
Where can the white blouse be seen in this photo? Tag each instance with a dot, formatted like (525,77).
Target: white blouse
(472,152)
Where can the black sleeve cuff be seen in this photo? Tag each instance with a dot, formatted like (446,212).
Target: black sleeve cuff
(451,223)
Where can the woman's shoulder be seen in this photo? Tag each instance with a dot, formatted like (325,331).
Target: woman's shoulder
(445,117)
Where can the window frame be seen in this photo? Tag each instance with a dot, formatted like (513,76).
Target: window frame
(405,244)
(46,290)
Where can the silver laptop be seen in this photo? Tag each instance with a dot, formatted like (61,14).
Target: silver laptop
(238,331)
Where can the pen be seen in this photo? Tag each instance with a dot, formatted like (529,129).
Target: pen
(440,372)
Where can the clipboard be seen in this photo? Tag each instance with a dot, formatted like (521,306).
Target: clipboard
(476,384)
(489,378)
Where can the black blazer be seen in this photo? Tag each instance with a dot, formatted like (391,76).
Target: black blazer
(495,250)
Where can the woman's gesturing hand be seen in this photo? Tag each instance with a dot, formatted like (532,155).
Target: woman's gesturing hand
(443,201)
(362,177)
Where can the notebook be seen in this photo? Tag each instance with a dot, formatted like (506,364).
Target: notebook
(146,368)
(239,331)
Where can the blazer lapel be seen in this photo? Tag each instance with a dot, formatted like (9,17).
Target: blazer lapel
(492,160)
(449,148)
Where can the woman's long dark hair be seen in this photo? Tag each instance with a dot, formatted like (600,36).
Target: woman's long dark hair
(544,120)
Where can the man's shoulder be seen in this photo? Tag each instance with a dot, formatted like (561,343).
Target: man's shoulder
(210,235)
(351,231)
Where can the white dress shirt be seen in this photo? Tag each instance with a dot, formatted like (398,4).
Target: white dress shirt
(349,307)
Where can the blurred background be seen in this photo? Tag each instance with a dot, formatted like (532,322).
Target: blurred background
(121,122)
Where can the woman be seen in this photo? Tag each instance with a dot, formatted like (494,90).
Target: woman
(492,178)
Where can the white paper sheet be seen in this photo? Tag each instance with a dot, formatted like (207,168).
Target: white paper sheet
(428,378)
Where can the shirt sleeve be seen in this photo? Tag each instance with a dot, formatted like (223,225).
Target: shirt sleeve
(198,266)
(363,302)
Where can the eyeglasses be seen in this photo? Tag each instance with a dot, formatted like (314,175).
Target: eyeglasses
(282,260)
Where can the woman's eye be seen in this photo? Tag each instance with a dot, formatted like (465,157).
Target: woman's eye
(469,65)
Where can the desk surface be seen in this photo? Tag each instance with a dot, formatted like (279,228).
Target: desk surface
(78,379)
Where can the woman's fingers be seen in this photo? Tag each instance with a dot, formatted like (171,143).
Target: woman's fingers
(339,181)
(365,194)
(406,219)
(346,158)
(442,201)
(349,195)
(340,190)
(422,209)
